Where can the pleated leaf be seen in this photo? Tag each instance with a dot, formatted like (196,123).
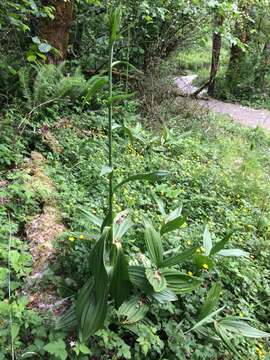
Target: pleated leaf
(97,264)
(91,306)
(153,243)
(132,311)
(164,296)
(120,285)
(156,279)
(180,283)
(138,278)
(68,321)
(93,314)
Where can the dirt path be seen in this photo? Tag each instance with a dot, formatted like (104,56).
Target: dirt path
(242,114)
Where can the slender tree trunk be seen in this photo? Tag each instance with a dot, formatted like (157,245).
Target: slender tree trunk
(56,31)
(217,42)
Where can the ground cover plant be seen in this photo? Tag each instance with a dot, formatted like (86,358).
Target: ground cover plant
(160,228)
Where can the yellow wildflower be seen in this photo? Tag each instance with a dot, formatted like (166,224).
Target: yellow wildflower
(82,237)
(198,251)
(71,238)
(241,314)
(190,273)
(205,266)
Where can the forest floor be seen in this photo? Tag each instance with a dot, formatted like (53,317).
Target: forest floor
(243,114)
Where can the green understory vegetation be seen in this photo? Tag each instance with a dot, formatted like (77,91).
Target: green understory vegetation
(219,175)
(134,223)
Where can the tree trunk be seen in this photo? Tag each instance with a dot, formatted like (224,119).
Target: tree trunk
(56,31)
(217,41)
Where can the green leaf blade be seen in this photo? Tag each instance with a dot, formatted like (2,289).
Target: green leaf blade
(211,301)
(153,243)
(179,258)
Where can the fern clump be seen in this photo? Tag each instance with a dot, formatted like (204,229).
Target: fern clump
(53,84)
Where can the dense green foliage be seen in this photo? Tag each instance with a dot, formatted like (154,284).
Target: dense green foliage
(163,207)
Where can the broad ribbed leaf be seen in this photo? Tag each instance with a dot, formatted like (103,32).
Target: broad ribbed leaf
(91,306)
(207,241)
(180,283)
(138,278)
(83,296)
(120,285)
(156,279)
(153,243)
(164,296)
(153,176)
(242,328)
(68,321)
(179,258)
(93,313)
(173,221)
(211,301)
(132,311)
(233,252)
(97,264)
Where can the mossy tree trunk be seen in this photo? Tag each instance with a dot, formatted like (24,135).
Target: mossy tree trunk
(56,31)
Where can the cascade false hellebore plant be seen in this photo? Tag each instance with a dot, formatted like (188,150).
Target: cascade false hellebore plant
(112,277)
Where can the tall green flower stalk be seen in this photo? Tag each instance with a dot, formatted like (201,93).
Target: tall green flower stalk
(115,20)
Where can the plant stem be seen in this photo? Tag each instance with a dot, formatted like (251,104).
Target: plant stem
(9,292)
(128,56)
(110,136)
